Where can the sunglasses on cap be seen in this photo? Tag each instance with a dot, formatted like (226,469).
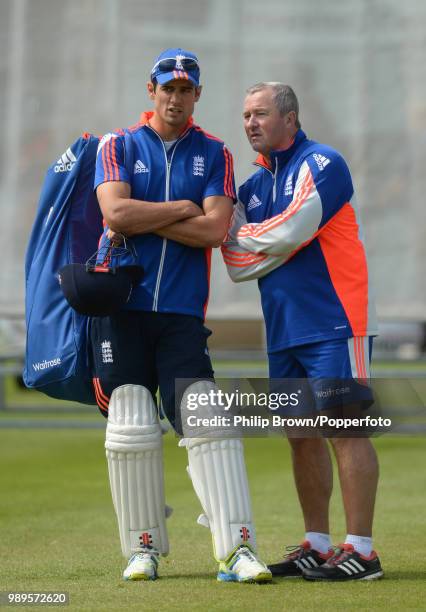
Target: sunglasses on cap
(172,63)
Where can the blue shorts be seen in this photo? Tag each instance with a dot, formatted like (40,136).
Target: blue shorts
(330,374)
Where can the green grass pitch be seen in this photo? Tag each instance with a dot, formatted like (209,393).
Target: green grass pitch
(58,531)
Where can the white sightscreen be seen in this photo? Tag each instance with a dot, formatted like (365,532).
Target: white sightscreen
(357,66)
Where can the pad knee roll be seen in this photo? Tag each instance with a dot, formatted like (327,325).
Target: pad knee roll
(135,463)
(218,473)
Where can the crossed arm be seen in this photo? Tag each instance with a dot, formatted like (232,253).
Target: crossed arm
(252,250)
(243,264)
(179,220)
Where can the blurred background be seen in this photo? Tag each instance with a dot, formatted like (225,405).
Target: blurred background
(358,68)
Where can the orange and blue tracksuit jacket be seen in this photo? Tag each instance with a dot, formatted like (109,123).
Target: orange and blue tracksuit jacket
(198,165)
(296,229)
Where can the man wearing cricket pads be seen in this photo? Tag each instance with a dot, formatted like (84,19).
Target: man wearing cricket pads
(175,204)
(296,229)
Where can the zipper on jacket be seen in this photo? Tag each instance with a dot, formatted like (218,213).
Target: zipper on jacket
(274,187)
(164,247)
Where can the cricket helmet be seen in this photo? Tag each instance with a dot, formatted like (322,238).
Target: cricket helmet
(101,286)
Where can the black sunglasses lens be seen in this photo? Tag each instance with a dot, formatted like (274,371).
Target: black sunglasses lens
(167,65)
(189,64)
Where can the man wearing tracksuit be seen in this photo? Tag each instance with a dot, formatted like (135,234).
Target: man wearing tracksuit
(173,201)
(296,229)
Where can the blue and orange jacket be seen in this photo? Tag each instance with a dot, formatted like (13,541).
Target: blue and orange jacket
(296,229)
(197,166)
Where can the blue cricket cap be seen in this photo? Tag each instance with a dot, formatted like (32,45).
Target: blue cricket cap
(174,64)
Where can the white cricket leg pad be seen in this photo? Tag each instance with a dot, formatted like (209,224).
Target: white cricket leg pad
(201,404)
(218,473)
(135,464)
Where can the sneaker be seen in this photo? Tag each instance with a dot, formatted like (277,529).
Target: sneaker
(243,566)
(298,559)
(347,564)
(142,566)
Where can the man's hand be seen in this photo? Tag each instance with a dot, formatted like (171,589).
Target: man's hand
(205,230)
(115,237)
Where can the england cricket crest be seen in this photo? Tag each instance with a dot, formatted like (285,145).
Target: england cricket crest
(288,187)
(198,165)
(106,352)
(179,59)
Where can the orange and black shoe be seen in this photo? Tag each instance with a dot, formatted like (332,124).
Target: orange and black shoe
(346,564)
(297,559)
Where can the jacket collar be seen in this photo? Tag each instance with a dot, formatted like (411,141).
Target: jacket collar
(281,156)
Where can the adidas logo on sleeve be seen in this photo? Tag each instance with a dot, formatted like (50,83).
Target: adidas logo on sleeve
(139,167)
(288,187)
(66,162)
(322,161)
(254,202)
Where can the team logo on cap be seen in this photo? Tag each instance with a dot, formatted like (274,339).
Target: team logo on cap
(179,59)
